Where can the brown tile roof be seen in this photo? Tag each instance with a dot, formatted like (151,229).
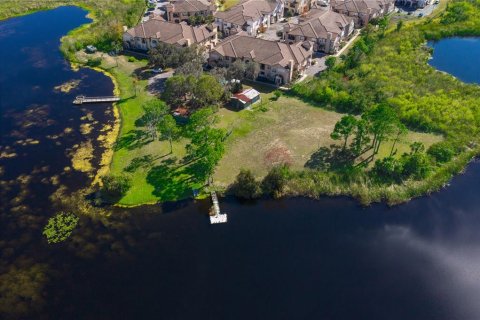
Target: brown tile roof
(319,23)
(247,10)
(190,6)
(171,33)
(360,6)
(263,51)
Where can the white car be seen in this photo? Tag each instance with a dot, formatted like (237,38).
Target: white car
(157,70)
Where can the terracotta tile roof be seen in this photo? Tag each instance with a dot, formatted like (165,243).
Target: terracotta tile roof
(171,33)
(247,10)
(360,6)
(190,6)
(319,23)
(263,51)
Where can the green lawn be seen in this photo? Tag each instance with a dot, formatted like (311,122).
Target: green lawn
(156,174)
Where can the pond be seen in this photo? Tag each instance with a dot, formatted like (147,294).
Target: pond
(458,56)
(275,259)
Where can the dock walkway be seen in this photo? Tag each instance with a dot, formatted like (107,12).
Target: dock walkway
(84,99)
(217,217)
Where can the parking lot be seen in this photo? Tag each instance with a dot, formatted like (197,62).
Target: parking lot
(416,12)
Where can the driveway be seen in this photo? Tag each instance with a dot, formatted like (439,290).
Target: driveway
(318,66)
(156,84)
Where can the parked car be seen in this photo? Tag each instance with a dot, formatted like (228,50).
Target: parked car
(420,14)
(157,70)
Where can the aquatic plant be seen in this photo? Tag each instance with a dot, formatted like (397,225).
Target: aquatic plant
(60,227)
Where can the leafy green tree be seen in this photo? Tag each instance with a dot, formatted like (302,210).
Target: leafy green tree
(441,151)
(114,187)
(330,62)
(417,165)
(154,112)
(245,186)
(190,68)
(417,147)
(383,123)
(60,227)
(401,132)
(275,181)
(170,56)
(206,149)
(207,91)
(169,129)
(199,121)
(361,137)
(343,129)
(178,89)
(251,70)
(236,70)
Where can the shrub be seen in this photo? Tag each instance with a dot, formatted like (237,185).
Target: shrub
(388,169)
(114,187)
(275,181)
(416,165)
(245,186)
(441,151)
(60,227)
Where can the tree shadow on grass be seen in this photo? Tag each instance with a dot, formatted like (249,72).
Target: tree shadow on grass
(144,162)
(333,158)
(169,182)
(132,140)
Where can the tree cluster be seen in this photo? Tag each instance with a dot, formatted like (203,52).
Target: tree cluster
(198,92)
(170,56)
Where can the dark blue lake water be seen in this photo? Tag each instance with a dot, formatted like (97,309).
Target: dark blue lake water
(458,56)
(286,259)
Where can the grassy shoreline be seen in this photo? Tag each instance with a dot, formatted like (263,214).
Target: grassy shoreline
(303,182)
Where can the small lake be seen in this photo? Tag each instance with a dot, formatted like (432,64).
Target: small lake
(458,56)
(285,259)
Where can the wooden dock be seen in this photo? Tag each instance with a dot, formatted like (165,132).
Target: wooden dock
(84,99)
(217,217)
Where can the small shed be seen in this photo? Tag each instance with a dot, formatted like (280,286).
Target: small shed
(90,49)
(246,98)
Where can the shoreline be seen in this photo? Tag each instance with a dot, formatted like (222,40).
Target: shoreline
(369,194)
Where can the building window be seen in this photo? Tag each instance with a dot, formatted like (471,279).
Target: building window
(262,66)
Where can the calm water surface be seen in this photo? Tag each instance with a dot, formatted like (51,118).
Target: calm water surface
(287,259)
(459,57)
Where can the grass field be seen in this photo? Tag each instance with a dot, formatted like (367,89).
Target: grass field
(287,130)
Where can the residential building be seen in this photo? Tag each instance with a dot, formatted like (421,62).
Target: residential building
(251,16)
(182,10)
(148,34)
(324,28)
(298,6)
(362,11)
(277,62)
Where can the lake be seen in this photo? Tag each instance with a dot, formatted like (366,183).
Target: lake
(458,56)
(284,259)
